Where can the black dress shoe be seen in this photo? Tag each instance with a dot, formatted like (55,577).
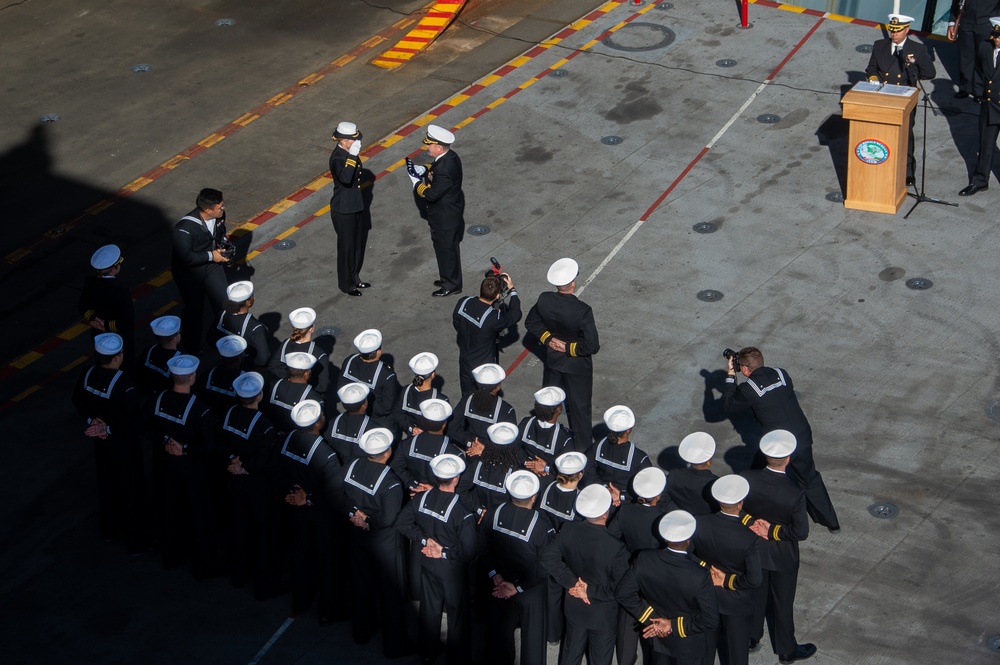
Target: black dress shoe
(437,282)
(833,529)
(353,292)
(802,651)
(754,645)
(363,285)
(961,94)
(911,181)
(972,189)
(442,292)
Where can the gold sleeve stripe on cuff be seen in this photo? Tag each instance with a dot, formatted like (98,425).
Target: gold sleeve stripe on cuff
(680,626)
(545,337)
(732,582)
(572,349)
(645,615)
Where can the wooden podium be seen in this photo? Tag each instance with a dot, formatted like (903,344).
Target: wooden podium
(876,160)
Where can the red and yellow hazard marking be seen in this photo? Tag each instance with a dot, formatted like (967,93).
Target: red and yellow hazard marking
(422,35)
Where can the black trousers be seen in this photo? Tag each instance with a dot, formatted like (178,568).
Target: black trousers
(970,36)
(987,146)
(378,594)
(188,526)
(802,470)
(731,640)
(253,551)
(121,490)
(774,600)
(526,610)
(579,397)
(597,643)
(352,238)
(630,640)
(447,250)
(445,588)
(195,287)
(911,161)
(555,622)
(314,566)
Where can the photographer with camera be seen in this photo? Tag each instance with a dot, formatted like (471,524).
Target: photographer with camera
(769,393)
(200,249)
(479,321)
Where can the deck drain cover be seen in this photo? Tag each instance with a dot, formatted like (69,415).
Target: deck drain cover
(863,48)
(139,69)
(769,118)
(883,511)
(640,36)
(709,295)
(664,5)
(705,227)
(559,73)
(611,140)
(993,410)
(726,62)
(479,230)
(919,283)
(284,244)
(225,23)
(835,197)
(993,644)
(50,117)
(328,331)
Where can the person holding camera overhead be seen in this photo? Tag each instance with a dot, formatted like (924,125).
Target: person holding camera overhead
(201,248)
(478,323)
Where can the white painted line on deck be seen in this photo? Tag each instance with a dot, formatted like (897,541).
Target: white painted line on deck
(270,643)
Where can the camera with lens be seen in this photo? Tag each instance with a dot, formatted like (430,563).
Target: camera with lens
(729,354)
(496,270)
(227,249)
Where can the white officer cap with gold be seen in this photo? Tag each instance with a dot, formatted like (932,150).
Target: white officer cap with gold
(435,410)
(446,466)
(550,396)
(898,22)
(649,483)
(697,448)
(306,413)
(182,365)
(489,374)
(994,26)
(439,135)
(302,318)
(376,441)
(248,385)
(593,501)
(347,130)
(677,526)
(353,393)
(619,418)
(522,484)
(502,434)
(239,291)
(300,360)
(231,346)
(562,272)
(571,463)
(106,257)
(108,344)
(368,341)
(166,326)
(424,363)
(730,489)
(778,443)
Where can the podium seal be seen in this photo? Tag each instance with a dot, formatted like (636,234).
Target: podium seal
(871,151)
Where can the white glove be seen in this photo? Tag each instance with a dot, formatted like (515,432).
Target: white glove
(414,179)
(355,149)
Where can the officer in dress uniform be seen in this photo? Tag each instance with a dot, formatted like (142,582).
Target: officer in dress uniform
(769,393)
(690,488)
(237,320)
(407,414)
(540,436)
(151,374)
(347,208)
(411,461)
(347,428)
(475,413)
(636,525)
(246,438)
(306,473)
(900,61)
(105,396)
(286,393)
(303,322)
(184,432)
(588,562)
(776,512)
(731,550)
(197,263)
(483,486)
(614,460)
(370,497)
(671,595)
(105,304)
(478,324)
(443,533)
(511,539)
(366,366)
(437,189)
(215,386)
(969,25)
(989,110)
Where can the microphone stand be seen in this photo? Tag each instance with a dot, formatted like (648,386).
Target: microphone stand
(920,195)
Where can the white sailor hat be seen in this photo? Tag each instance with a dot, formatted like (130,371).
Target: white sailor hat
(368,341)
(306,413)
(489,374)
(730,489)
(231,346)
(302,318)
(677,526)
(376,441)
(446,466)
(423,364)
(166,326)
(562,272)
(649,483)
(353,393)
(522,484)
(995,23)
(183,364)
(239,291)
(106,257)
(778,443)
(571,463)
(249,385)
(550,396)
(502,434)
(435,410)
(438,134)
(697,448)
(619,418)
(593,501)
(898,22)
(300,360)
(108,344)
(347,130)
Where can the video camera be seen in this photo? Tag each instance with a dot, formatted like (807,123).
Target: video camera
(496,270)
